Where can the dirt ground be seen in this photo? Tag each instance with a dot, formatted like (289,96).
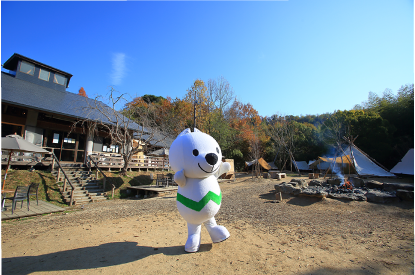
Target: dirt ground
(296,236)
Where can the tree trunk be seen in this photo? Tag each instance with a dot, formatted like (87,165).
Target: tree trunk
(124,169)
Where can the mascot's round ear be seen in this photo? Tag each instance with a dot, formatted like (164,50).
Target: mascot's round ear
(187,131)
(197,130)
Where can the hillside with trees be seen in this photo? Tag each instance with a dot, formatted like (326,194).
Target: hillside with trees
(382,126)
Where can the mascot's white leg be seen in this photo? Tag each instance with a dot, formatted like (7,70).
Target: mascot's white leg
(193,239)
(217,233)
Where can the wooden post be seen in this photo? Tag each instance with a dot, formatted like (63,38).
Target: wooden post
(71,201)
(64,184)
(53,161)
(7,169)
(278,196)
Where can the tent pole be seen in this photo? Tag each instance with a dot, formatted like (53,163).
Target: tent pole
(7,169)
(350,160)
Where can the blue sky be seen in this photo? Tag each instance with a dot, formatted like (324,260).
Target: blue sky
(284,57)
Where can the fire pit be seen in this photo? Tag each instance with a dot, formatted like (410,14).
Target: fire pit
(347,185)
(350,189)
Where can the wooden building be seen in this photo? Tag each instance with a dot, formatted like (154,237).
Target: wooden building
(36,105)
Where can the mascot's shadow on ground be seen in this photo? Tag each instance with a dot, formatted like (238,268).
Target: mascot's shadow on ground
(196,159)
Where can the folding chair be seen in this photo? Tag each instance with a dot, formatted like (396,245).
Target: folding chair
(160,179)
(21,194)
(33,190)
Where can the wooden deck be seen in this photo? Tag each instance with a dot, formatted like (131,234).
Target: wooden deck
(34,210)
(106,161)
(153,191)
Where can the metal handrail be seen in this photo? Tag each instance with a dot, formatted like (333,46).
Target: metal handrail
(66,177)
(102,173)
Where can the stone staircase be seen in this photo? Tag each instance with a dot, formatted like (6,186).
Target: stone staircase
(86,186)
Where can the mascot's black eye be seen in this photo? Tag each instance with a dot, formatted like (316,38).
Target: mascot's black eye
(195,152)
(217,150)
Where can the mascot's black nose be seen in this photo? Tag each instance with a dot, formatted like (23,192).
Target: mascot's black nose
(211,158)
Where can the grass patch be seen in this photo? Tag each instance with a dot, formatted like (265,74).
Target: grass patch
(131,179)
(48,188)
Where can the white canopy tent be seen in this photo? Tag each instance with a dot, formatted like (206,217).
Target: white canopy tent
(302,165)
(406,165)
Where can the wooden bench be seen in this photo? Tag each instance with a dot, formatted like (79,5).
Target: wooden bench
(276,175)
(281,175)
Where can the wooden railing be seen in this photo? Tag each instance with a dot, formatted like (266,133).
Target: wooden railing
(111,160)
(98,169)
(66,178)
(25,158)
(102,160)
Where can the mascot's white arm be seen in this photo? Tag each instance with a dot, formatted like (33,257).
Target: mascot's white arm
(180,178)
(224,167)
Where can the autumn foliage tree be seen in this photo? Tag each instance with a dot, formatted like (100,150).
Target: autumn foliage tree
(196,95)
(177,112)
(384,124)
(248,136)
(237,126)
(138,122)
(82,92)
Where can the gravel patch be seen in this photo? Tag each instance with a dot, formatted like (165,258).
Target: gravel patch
(251,202)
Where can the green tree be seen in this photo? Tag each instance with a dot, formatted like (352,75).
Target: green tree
(398,110)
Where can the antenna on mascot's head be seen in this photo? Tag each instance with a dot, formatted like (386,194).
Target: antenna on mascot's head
(194,115)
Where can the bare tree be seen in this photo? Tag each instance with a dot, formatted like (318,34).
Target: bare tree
(220,93)
(121,129)
(255,154)
(282,133)
(336,134)
(335,128)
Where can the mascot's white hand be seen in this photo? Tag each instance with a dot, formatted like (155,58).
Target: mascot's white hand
(224,167)
(180,178)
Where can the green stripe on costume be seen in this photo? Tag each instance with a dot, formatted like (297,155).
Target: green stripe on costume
(198,205)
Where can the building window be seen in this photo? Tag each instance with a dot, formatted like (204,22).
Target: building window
(108,147)
(27,68)
(59,79)
(44,75)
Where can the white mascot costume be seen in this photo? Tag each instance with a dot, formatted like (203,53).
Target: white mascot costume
(196,159)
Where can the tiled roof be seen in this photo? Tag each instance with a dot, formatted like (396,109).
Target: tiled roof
(23,93)
(158,140)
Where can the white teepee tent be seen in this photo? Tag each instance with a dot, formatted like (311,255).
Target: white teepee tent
(365,166)
(406,165)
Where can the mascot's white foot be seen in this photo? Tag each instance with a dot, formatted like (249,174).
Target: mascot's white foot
(218,233)
(193,239)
